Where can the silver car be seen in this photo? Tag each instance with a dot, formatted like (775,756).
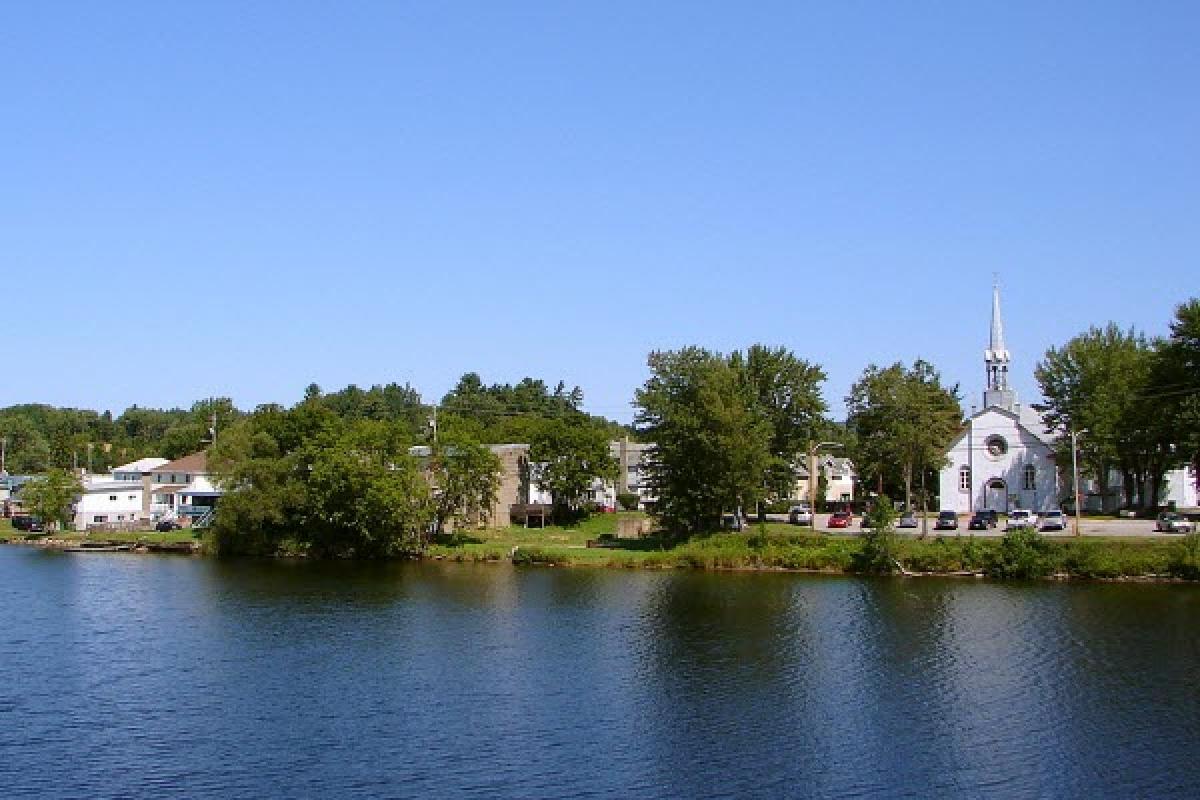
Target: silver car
(1052,521)
(1172,522)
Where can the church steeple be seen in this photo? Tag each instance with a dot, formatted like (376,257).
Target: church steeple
(995,362)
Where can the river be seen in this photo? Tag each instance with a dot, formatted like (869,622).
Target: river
(142,676)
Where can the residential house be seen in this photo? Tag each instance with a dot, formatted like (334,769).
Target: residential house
(107,502)
(182,489)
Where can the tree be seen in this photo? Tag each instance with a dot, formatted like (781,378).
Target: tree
(902,420)
(50,497)
(1173,389)
(567,457)
(466,480)
(787,392)
(1096,383)
(712,438)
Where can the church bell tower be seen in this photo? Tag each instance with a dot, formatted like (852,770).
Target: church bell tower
(995,360)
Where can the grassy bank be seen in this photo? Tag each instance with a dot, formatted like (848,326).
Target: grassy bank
(783,548)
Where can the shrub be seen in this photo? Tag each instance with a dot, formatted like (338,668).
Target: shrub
(628,501)
(1185,558)
(1022,554)
(880,547)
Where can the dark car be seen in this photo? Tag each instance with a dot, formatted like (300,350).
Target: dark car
(167,525)
(946,521)
(980,522)
(28,523)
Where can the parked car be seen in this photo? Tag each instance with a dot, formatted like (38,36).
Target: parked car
(731,522)
(980,522)
(946,521)
(866,521)
(28,523)
(800,515)
(1020,518)
(907,520)
(167,525)
(840,519)
(1172,522)
(990,517)
(1052,521)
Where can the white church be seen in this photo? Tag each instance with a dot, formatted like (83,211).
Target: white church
(1004,458)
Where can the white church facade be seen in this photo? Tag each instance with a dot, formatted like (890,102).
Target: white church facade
(1004,457)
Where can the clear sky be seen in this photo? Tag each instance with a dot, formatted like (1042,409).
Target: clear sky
(241,198)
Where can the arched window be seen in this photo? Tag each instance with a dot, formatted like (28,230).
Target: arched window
(1030,473)
(964,479)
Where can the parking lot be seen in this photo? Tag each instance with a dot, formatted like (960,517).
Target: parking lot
(1133,528)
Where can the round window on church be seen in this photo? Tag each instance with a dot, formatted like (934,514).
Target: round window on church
(996,446)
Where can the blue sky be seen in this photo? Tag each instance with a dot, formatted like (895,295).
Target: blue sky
(242,198)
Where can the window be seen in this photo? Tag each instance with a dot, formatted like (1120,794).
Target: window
(133,497)
(1030,477)
(112,497)
(964,479)
(99,518)
(996,446)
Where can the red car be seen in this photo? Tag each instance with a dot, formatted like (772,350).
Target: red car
(840,519)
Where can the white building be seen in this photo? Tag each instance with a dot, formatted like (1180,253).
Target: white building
(1004,456)
(182,489)
(109,502)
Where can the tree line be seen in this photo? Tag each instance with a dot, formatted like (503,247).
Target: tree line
(1132,400)
(334,475)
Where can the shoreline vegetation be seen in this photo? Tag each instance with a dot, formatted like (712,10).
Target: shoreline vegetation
(773,547)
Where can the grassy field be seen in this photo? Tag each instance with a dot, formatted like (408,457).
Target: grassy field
(780,546)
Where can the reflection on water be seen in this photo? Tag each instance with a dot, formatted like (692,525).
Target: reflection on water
(135,676)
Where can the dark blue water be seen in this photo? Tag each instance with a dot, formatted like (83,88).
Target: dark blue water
(138,676)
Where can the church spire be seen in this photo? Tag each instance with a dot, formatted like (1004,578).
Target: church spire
(996,344)
(995,361)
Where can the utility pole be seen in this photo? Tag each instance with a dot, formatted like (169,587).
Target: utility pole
(433,424)
(3,447)
(1075,474)
(213,430)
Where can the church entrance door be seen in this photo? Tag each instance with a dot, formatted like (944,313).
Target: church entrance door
(997,496)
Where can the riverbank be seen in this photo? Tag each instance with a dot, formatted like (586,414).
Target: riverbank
(774,547)
(782,547)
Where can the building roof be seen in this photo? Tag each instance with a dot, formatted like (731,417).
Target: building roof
(194,462)
(141,465)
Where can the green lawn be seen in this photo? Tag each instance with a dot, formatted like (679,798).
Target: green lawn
(786,547)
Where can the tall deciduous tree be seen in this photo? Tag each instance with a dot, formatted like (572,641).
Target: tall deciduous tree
(1173,391)
(902,419)
(1097,383)
(465,478)
(713,440)
(567,456)
(787,392)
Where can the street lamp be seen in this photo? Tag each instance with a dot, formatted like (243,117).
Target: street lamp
(812,477)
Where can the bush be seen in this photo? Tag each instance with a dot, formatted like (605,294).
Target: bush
(880,547)
(1185,558)
(628,501)
(1023,554)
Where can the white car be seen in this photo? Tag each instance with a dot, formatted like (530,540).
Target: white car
(1020,518)
(1052,521)
(800,515)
